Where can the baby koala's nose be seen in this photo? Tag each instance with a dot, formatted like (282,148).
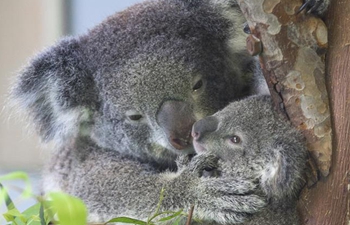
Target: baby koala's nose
(204,126)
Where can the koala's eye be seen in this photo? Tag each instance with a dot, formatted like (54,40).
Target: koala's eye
(135,117)
(198,85)
(246,29)
(235,139)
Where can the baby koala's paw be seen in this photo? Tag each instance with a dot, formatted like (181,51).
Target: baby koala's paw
(205,165)
(233,199)
(182,161)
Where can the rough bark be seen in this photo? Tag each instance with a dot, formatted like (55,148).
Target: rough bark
(328,203)
(293,64)
(287,40)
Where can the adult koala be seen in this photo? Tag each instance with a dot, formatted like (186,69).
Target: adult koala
(120,101)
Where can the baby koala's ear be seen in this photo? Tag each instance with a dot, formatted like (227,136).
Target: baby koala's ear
(283,174)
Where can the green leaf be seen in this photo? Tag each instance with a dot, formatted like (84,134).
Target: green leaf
(70,210)
(3,194)
(42,214)
(4,197)
(127,220)
(12,214)
(32,215)
(27,192)
(178,220)
(33,210)
(49,215)
(161,197)
(175,214)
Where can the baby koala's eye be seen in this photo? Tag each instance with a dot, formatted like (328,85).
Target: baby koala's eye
(235,139)
(246,28)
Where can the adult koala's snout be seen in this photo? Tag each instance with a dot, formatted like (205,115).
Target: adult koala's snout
(176,119)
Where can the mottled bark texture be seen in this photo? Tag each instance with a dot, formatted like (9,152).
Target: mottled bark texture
(293,63)
(328,203)
(292,53)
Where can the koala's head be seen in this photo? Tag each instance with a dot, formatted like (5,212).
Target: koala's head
(137,82)
(253,142)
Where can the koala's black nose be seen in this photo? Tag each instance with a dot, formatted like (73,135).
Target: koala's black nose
(204,126)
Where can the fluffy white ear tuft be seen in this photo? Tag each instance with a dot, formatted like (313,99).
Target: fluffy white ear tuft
(283,175)
(56,92)
(270,176)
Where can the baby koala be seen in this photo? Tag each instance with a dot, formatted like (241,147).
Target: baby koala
(251,142)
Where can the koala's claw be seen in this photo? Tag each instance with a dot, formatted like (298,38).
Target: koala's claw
(314,6)
(202,162)
(184,160)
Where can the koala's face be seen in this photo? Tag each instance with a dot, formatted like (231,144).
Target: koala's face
(150,106)
(253,143)
(166,82)
(240,135)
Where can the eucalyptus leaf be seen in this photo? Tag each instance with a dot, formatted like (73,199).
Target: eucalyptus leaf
(70,210)
(175,214)
(4,197)
(127,220)
(27,192)
(12,214)
(178,220)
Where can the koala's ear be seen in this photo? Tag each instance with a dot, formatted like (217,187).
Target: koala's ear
(283,174)
(57,91)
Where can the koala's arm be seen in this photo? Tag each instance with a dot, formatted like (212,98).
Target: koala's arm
(112,185)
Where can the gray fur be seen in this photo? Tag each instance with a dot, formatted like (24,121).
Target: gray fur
(134,61)
(142,63)
(107,100)
(271,154)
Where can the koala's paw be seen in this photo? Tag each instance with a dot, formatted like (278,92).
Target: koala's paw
(228,200)
(183,161)
(204,165)
(223,199)
(318,7)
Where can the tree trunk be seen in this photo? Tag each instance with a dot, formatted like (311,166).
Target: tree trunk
(292,60)
(328,203)
(283,34)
